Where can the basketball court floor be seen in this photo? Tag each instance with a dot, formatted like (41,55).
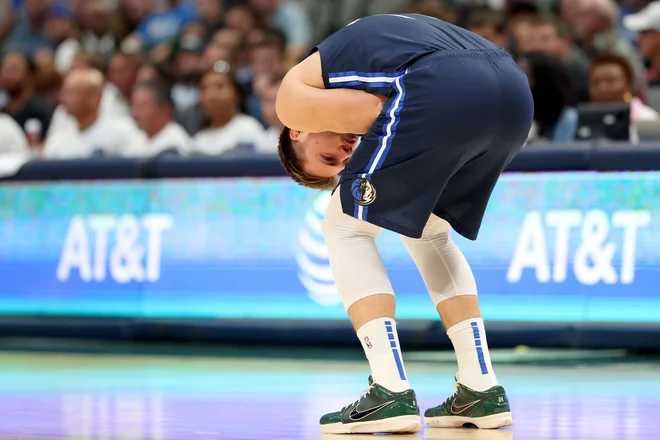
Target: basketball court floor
(266,395)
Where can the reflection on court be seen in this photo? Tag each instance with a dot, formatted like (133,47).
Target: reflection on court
(160,398)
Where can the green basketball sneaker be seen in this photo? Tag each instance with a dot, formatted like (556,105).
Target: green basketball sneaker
(484,409)
(379,410)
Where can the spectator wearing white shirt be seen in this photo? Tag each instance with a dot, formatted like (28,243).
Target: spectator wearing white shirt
(93,134)
(14,149)
(228,129)
(112,102)
(153,110)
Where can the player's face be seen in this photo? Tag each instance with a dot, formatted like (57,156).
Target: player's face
(325,154)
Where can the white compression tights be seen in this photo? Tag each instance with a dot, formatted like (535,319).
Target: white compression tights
(358,268)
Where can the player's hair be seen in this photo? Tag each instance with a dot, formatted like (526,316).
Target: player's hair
(293,165)
(611,58)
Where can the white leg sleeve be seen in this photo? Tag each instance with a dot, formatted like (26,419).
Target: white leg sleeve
(354,259)
(443,267)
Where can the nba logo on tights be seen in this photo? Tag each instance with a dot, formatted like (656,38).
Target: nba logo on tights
(367,341)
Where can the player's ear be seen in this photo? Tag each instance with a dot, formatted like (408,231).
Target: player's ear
(295,135)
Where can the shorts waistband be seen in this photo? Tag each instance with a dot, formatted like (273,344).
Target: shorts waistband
(473,54)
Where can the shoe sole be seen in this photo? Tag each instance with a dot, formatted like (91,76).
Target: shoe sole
(488,422)
(401,424)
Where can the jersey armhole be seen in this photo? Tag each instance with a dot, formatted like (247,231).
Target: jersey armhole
(324,74)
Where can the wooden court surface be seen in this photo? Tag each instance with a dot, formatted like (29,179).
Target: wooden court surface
(97,396)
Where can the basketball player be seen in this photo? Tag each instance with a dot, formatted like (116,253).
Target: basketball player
(442,112)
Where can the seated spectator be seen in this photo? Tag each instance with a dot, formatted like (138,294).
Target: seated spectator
(63,33)
(555,117)
(98,34)
(209,12)
(18,76)
(14,149)
(29,35)
(160,26)
(94,134)
(551,35)
(186,59)
(266,62)
(243,18)
(611,80)
(647,24)
(272,122)
(594,23)
(153,110)
(112,102)
(122,74)
(228,129)
(490,25)
(291,18)
(47,84)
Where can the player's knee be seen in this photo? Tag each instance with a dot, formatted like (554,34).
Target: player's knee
(436,228)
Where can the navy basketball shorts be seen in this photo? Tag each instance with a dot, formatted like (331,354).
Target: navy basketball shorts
(450,125)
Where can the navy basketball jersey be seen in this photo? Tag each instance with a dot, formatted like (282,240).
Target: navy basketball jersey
(370,53)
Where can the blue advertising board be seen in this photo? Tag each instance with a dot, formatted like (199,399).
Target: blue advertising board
(554,247)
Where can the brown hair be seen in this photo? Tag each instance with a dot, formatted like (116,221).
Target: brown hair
(611,58)
(294,167)
(561,27)
(486,18)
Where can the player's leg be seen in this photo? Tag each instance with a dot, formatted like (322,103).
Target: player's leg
(479,399)
(390,404)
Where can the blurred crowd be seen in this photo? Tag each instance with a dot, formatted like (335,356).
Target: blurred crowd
(137,78)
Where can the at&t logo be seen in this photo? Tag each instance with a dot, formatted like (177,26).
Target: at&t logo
(312,256)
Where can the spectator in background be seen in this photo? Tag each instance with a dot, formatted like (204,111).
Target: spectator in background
(594,23)
(432,8)
(228,129)
(113,105)
(28,35)
(272,122)
(156,27)
(647,24)
(14,149)
(17,77)
(291,18)
(244,18)
(216,51)
(266,62)
(149,72)
(99,34)
(47,84)
(186,59)
(63,32)
(209,12)
(555,117)
(552,36)
(611,80)
(490,25)
(94,134)
(153,110)
(122,73)
(133,13)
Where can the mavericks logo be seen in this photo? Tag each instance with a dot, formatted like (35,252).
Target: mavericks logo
(314,267)
(363,191)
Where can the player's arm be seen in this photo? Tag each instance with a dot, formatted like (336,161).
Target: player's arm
(304,104)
